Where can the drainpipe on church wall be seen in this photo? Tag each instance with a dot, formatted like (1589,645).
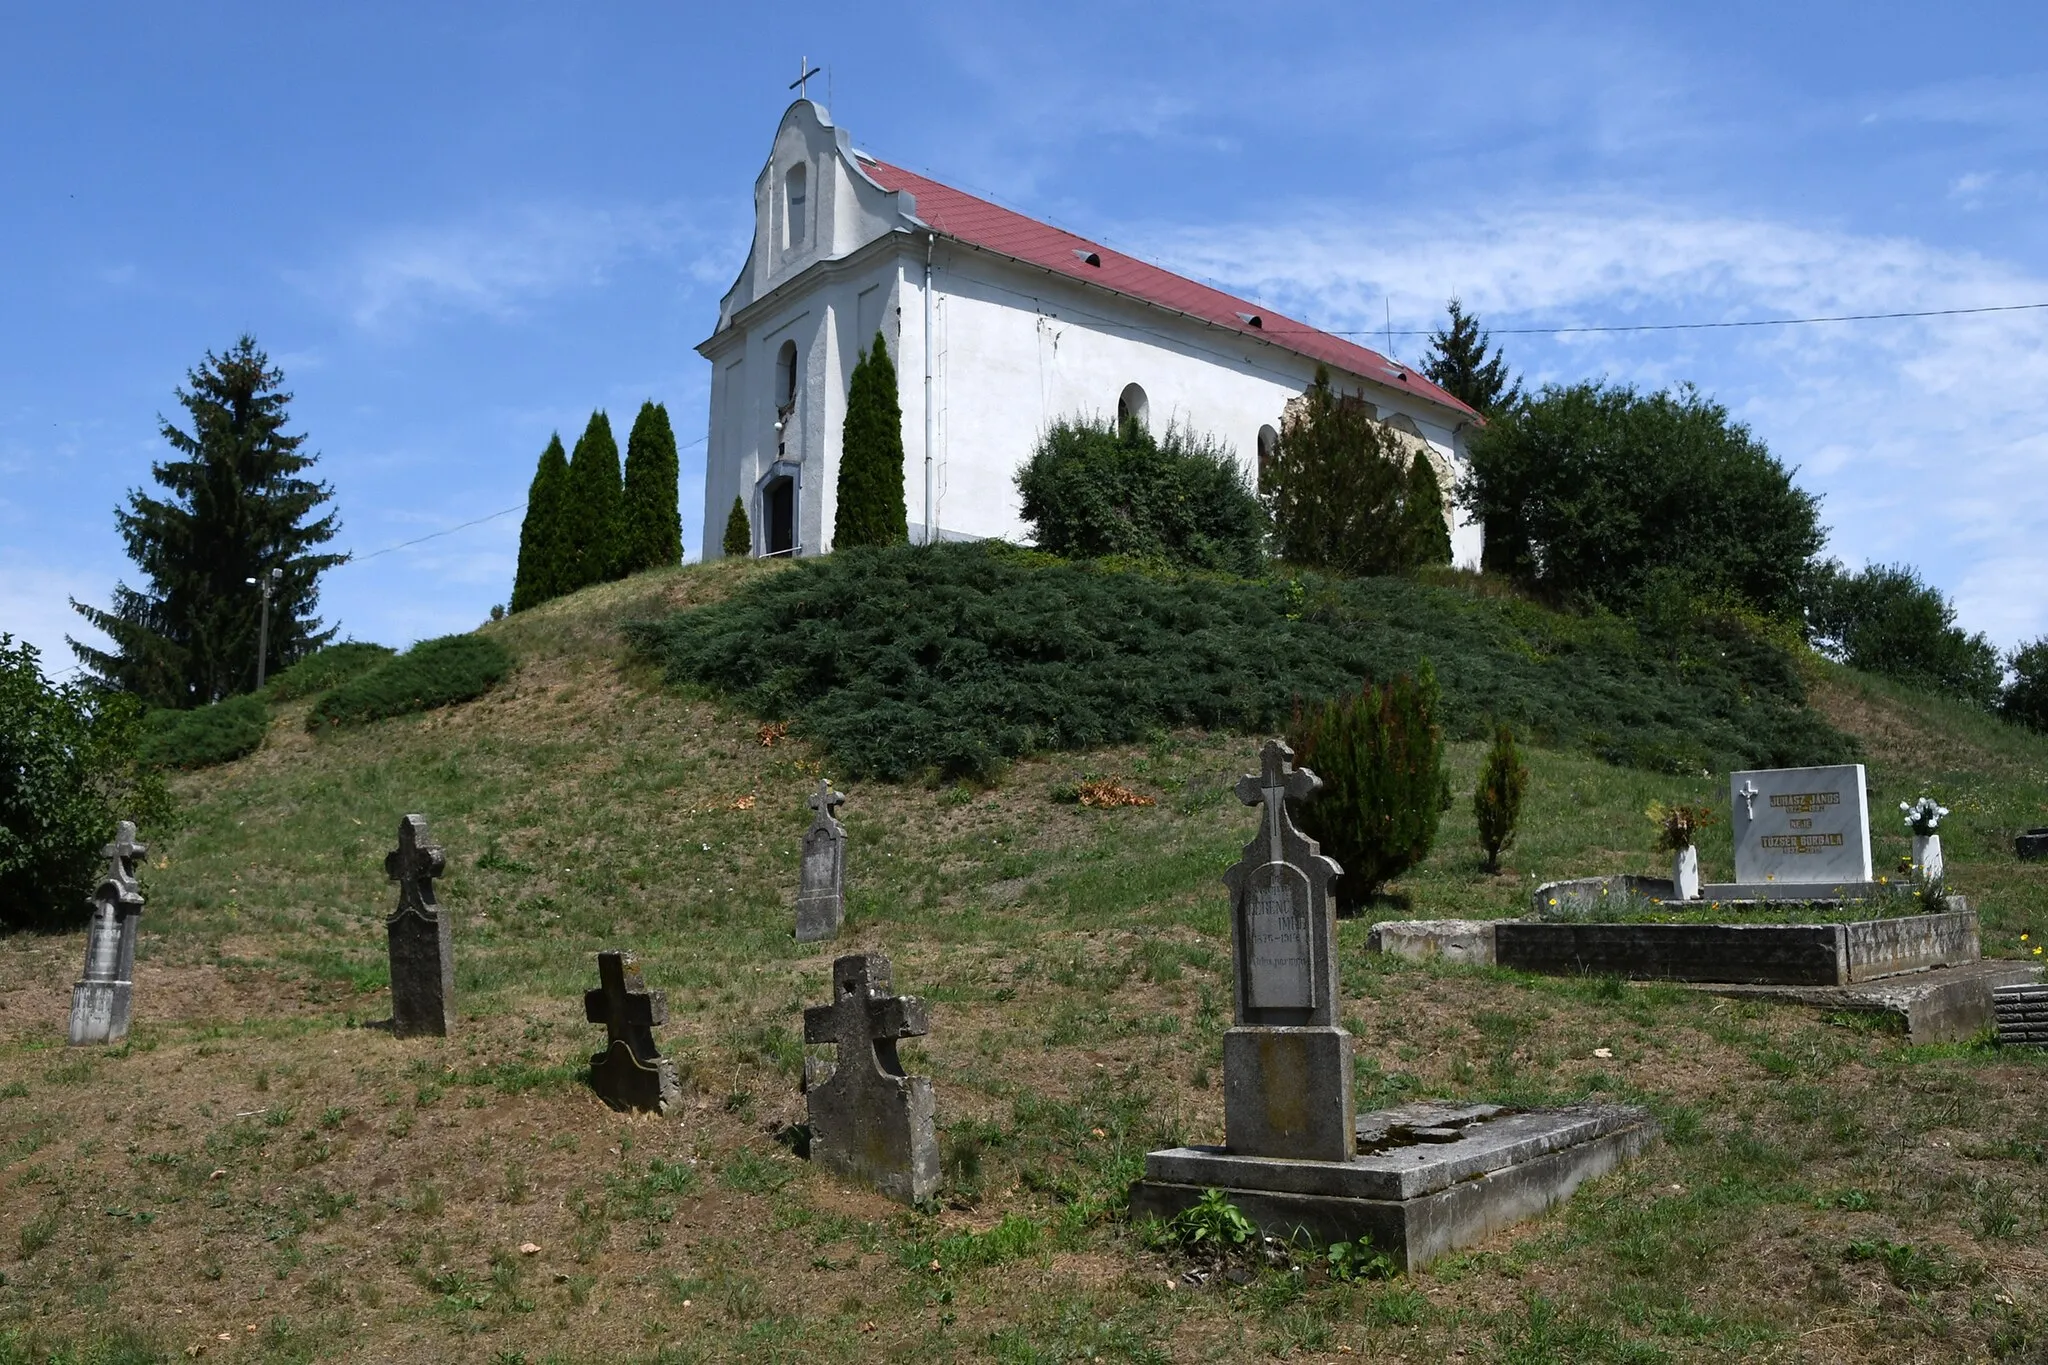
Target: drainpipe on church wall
(930,413)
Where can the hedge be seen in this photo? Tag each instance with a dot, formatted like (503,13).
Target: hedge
(432,673)
(325,668)
(206,735)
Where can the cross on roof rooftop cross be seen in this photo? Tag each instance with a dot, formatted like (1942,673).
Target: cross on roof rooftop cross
(804,73)
(413,865)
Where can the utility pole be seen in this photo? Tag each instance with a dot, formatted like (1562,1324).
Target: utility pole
(268,583)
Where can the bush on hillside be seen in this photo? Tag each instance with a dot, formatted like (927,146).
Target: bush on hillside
(206,735)
(2024,699)
(1497,800)
(1380,754)
(954,658)
(1091,490)
(739,535)
(1588,491)
(1339,493)
(325,668)
(1884,619)
(69,775)
(432,673)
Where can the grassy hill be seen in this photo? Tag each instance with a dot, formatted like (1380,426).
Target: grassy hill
(251,1160)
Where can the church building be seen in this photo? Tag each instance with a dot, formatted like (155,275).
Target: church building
(999,326)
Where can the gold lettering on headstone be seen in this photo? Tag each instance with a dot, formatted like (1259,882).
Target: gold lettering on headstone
(1800,843)
(1805,802)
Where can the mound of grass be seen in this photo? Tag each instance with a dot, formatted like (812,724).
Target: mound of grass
(206,735)
(958,657)
(325,668)
(432,673)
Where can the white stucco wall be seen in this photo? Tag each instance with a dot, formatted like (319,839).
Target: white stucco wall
(1014,349)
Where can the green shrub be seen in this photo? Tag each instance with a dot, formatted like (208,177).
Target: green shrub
(432,673)
(325,668)
(1497,800)
(1339,490)
(2024,699)
(68,775)
(739,535)
(956,657)
(869,508)
(1380,754)
(1884,619)
(1090,490)
(206,735)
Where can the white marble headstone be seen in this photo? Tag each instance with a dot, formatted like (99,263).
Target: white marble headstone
(1808,826)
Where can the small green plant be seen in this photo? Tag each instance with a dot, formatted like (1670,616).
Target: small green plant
(739,535)
(1497,800)
(1353,1261)
(37,1233)
(1212,1224)
(432,673)
(1379,753)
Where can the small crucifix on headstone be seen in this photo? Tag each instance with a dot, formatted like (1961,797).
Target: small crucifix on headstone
(104,998)
(1287,1063)
(630,1073)
(1749,794)
(820,896)
(421,937)
(869,1121)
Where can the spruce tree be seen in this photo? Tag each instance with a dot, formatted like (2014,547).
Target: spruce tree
(739,535)
(871,510)
(1497,800)
(1458,363)
(238,506)
(542,549)
(1429,536)
(590,509)
(653,533)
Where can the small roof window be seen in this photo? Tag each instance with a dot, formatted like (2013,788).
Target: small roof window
(1087,257)
(1252,320)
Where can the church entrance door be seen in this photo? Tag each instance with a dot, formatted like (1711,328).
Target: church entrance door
(778,515)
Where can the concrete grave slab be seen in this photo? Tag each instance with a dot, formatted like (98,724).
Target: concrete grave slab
(1425,940)
(1940,1005)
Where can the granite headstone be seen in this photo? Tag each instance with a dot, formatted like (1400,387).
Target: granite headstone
(104,998)
(420,936)
(869,1121)
(1809,826)
(820,897)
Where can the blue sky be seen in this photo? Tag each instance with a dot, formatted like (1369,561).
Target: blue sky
(460,228)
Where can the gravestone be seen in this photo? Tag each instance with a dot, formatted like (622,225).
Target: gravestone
(1805,826)
(630,1073)
(2031,846)
(820,899)
(420,937)
(1287,1062)
(104,998)
(870,1122)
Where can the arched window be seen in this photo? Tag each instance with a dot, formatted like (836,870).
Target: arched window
(793,207)
(785,393)
(1132,409)
(1269,441)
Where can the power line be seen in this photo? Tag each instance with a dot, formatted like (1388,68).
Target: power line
(1698,326)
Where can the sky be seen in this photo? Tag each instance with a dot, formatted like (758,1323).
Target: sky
(458,229)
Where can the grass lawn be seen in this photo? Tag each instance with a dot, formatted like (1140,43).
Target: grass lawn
(253,1176)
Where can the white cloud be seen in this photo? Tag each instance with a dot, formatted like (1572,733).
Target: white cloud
(1926,437)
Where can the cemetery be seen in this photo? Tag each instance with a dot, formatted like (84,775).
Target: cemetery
(965,1069)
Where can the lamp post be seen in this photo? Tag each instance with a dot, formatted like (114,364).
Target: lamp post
(268,583)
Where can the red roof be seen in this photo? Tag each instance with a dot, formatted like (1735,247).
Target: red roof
(993,228)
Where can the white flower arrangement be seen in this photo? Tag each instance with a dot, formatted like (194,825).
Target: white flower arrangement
(1923,815)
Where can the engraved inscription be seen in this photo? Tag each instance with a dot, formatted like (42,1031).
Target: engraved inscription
(817,871)
(1279,962)
(1800,843)
(1805,802)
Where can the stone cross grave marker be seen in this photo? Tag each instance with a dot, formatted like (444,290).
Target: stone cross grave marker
(869,1121)
(630,1073)
(420,935)
(1287,1063)
(104,998)
(820,898)
(1801,826)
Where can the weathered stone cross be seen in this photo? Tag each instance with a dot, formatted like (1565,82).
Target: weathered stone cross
(1278,782)
(630,1073)
(103,999)
(413,865)
(824,800)
(868,1120)
(820,892)
(122,853)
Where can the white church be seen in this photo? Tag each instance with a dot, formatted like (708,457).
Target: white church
(999,326)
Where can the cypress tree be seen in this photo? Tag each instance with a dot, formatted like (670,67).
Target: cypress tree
(871,510)
(590,509)
(653,534)
(541,547)
(1429,536)
(239,507)
(1497,800)
(739,535)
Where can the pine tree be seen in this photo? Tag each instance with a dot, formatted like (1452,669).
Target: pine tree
(590,508)
(1429,536)
(1497,800)
(871,510)
(238,507)
(541,547)
(653,535)
(1459,365)
(739,535)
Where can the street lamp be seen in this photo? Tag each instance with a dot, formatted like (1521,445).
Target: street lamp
(269,583)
